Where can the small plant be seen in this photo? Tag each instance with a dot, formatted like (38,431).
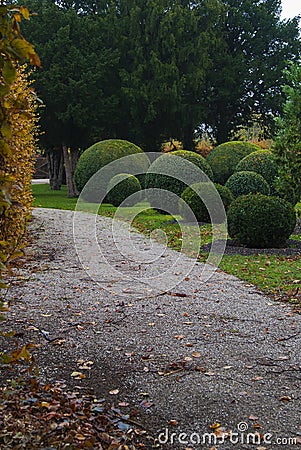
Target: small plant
(262,162)
(192,197)
(247,182)
(121,187)
(164,177)
(261,221)
(225,157)
(171,146)
(98,156)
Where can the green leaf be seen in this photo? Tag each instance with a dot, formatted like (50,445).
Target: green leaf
(6,130)
(9,72)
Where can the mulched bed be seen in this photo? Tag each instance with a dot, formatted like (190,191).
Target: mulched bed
(291,249)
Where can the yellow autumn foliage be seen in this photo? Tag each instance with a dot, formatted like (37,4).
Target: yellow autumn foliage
(17,166)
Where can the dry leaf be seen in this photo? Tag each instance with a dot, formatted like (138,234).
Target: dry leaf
(78,375)
(173,422)
(215,426)
(285,398)
(196,354)
(114,392)
(251,417)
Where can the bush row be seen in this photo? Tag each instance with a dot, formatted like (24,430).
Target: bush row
(181,182)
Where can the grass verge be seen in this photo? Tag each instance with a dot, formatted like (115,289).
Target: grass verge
(276,275)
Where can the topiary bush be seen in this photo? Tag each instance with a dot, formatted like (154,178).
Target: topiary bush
(262,162)
(261,221)
(167,163)
(192,196)
(247,182)
(98,156)
(121,187)
(224,158)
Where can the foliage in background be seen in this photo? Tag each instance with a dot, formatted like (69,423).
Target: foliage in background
(171,145)
(148,70)
(248,66)
(287,147)
(262,162)
(224,158)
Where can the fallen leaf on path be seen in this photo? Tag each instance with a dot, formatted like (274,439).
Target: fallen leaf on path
(78,375)
(173,422)
(215,426)
(196,355)
(114,392)
(258,378)
(251,417)
(146,404)
(285,398)
(200,369)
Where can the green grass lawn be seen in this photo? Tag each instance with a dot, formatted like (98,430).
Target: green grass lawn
(277,275)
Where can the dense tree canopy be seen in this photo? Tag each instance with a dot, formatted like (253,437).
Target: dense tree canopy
(146,70)
(288,143)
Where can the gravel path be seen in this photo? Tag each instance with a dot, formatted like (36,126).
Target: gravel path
(200,353)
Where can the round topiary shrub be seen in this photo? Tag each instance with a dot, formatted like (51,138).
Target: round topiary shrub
(261,221)
(164,175)
(121,187)
(242,183)
(262,162)
(224,158)
(192,196)
(98,156)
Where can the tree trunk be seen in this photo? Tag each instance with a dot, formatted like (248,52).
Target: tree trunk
(56,168)
(70,159)
(188,142)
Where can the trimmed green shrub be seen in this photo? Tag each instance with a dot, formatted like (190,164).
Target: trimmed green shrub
(261,221)
(262,162)
(224,158)
(243,183)
(167,163)
(192,196)
(120,187)
(98,156)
